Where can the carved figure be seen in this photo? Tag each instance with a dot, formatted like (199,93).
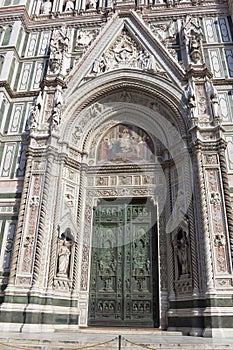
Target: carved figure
(190,95)
(213,94)
(56,115)
(46,7)
(35,112)
(183,253)
(99,65)
(58,99)
(34,118)
(84,38)
(166,32)
(91,4)
(63,257)
(192,34)
(219,240)
(69,5)
(58,44)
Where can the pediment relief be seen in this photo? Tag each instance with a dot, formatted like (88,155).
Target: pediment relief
(125,52)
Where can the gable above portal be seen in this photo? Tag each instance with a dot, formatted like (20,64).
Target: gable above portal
(125,42)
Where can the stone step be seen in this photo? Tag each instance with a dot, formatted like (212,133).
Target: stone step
(93,339)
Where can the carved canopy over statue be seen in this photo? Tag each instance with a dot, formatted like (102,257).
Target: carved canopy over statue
(125,143)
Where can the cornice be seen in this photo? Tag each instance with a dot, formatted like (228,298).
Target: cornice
(122,168)
(14,138)
(17,94)
(54,21)
(162,12)
(13,14)
(207,146)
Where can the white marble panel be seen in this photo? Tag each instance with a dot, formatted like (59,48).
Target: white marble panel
(7,246)
(229,58)
(44,43)
(16,118)
(225,107)
(216,63)
(32,45)
(210,31)
(25,75)
(8,155)
(224,29)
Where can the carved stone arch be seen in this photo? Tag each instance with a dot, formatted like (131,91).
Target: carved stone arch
(157,88)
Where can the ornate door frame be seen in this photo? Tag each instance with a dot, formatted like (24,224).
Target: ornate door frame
(94,189)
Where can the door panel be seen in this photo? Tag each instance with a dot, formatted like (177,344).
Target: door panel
(123,281)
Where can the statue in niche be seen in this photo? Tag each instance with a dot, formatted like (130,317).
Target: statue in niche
(213,95)
(182,253)
(190,95)
(46,7)
(69,6)
(35,112)
(63,258)
(58,101)
(65,243)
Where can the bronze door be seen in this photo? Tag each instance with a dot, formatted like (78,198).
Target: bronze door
(124,265)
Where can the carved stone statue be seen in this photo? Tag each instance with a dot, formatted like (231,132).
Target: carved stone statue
(35,112)
(192,34)
(69,5)
(182,252)
(58,45)
(213,95)
(91,4)
(63,258)
(46,7)
(57,105)
(190,95)
(84,38)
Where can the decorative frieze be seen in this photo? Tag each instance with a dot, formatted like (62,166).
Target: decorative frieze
(218,227)
(123,180)
(27,250)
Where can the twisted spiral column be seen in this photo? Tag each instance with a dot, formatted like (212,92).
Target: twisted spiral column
(227,198)
(43,223)
(81,199)
(53,251)
(21,218)
(192,234)
(170,257)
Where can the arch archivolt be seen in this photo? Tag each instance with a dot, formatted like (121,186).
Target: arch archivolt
(93,121)
(144,89)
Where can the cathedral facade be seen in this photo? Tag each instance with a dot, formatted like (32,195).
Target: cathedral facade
(116,167)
